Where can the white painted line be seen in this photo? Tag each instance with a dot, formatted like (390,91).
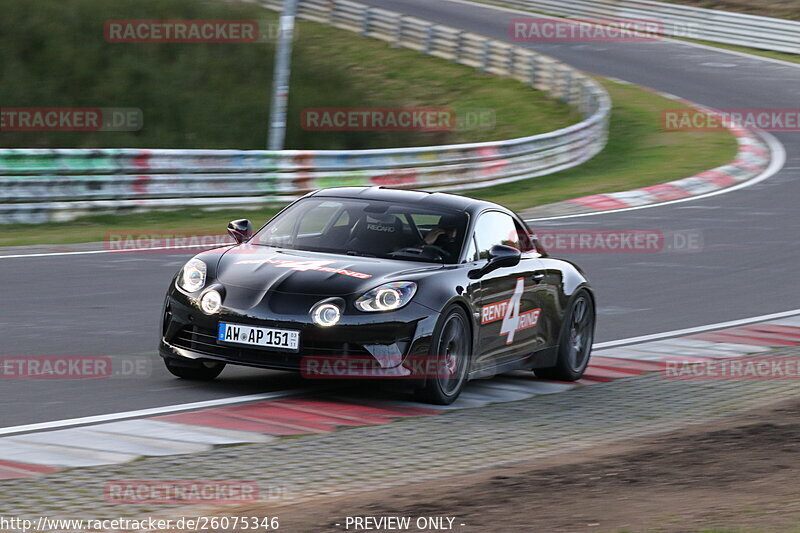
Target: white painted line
(469,399)
(94,252)
(180,433)
(698,329)
(155,411)
(776,165)
(791,322)
(491,394)
(687,347)
(63,456)
(92,440)
(632,355)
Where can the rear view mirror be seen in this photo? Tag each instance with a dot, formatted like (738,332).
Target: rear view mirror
(500,256)
(240,230)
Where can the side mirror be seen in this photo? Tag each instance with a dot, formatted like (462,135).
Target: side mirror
(240,230)
(500,256)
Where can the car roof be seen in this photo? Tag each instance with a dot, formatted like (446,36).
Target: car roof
(430,199)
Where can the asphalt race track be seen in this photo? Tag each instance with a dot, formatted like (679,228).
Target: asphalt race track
(109,304)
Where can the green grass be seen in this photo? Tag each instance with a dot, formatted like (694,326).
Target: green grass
(639,153)
(352,70)
(53,54)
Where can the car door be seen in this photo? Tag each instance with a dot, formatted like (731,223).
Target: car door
(510,311)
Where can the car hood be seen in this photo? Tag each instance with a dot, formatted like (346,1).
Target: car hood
(300,272)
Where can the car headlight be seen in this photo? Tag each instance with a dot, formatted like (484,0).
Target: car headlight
(211,302)
(326,314)
(193,276)
(387,297)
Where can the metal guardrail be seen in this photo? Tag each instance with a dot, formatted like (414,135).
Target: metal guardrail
(753,31)
(51,185)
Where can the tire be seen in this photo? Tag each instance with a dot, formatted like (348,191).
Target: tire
(451,345)
(196,371)
(575,342)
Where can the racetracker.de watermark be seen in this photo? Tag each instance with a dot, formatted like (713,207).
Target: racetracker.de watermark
(550,30)
(689,119)
(187,31)
(353,367)
(378,119)
(424,119)
(74,367)
(746,368)
(164,242)
(186,491)
(84,119)
(625,241)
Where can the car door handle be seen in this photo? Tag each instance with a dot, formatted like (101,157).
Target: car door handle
(537,277)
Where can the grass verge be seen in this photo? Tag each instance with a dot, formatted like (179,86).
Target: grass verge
(639,153)
(216,95)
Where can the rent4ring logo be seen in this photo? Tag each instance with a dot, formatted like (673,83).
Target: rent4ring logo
(508,311)
(71,119)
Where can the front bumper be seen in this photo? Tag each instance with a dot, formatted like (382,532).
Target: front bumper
(388,338)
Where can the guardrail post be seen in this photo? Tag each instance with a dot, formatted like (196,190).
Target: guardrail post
(459,46)
(429,39)
(328,9)
(487,50)
(398,34)
(366,21)
(534,64)
(332,13)
(567,85)
(584,102)
(512,55)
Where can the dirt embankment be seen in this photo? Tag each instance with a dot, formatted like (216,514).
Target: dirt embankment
(737,475)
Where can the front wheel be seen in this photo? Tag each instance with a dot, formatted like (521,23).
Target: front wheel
(451,347)
(205,371)
(575,343)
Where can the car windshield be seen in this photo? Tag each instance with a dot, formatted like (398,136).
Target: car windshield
(367,228)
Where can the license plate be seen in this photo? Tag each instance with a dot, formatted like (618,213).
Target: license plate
(254,336)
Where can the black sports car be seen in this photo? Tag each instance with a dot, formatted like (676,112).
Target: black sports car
(372,281)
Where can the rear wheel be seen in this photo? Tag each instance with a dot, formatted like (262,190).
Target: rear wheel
(451,348)
(575,346)
(195,371)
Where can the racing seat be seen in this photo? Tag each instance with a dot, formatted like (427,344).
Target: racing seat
(377,234)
